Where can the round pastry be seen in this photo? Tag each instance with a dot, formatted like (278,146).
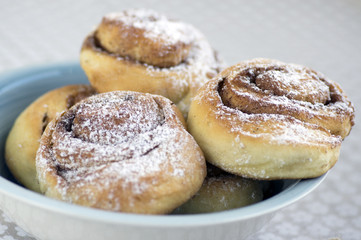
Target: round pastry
(222,191)
(143,51)
(23,140)
(266,119)
(121,151)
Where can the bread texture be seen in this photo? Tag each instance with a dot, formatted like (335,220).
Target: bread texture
(23,139)
(144,51)
(121,151)
(261,119)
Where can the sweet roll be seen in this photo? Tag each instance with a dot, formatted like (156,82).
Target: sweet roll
(222,191)
(144,51)
(121,151)
(266,119)
(23,139)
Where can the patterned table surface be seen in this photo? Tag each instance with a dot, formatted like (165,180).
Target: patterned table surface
(322,34)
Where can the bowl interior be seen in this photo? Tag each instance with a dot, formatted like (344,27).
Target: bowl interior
(18,89)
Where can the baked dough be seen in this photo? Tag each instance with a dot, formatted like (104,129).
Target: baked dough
(121,151)
(23,140)
(266,119)
(222,191)
(144,51)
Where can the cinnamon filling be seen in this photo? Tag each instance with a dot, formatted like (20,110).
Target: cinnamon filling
(44,122)
(72,99)
(253,90)
(116,122)
(146,37)
(97,133)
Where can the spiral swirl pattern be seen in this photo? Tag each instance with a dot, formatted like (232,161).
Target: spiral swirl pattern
(23,140)
(271,120)
(121,151)
(144,51)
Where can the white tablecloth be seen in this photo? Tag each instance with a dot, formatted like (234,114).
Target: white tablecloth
(322,34)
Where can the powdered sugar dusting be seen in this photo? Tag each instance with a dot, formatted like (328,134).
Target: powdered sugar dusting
(287,102)
(155,25)
(284,131)
(295,83)
(272,127)
(200,66)
(115,140)
(194,61)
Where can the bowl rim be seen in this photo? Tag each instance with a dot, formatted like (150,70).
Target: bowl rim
(291,194)
(288,196)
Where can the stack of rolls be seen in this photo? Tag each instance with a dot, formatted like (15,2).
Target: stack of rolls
(164,127)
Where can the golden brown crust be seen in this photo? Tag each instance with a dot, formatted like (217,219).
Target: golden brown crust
(145,36)
(258,120)
(121,151)
(109,68)
(287,89)
(222,191)
(23,140)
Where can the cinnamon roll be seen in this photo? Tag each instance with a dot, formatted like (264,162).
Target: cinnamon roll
(222,191)
(266,119)
(121,151)
(144,51)
(23,140)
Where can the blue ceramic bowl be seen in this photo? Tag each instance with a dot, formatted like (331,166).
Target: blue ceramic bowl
(50,219)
